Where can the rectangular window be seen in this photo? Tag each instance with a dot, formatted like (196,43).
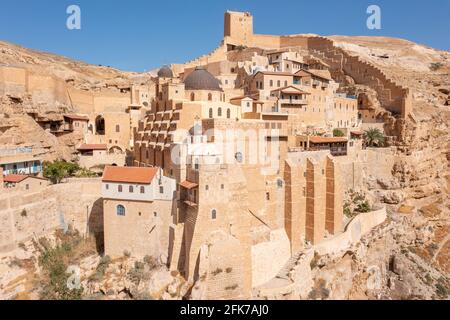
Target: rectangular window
(267,196)
(119,188)
(161,189)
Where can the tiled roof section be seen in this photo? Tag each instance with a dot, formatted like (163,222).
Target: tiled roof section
(327,139)
(14,178)
(76,117)
(139,175)
(290,89)
(92,147)
(323,74)
(274,73)
(188,184)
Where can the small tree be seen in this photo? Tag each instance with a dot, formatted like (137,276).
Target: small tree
(58,170)
(373,137)
(338,133)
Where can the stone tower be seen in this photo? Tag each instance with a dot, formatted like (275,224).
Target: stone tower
(238,27)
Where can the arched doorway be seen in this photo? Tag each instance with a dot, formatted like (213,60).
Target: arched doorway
(100,125)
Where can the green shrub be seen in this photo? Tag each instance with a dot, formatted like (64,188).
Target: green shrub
(436,66)
(57,170)
(338,133)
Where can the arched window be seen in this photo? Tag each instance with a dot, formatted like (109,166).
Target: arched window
(117,128)
(192,96)
(119,188)
(142,189)
(228,113)
(130,189)
(209,97)
(219,112)
(120,210)
(210,113)
(213,214)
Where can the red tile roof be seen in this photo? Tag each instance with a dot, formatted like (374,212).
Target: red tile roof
(92,147)
(14,178)
(326,139)
(139,175)
(188,184)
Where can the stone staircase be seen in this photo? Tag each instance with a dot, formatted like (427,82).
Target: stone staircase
(289,265)
(392,96)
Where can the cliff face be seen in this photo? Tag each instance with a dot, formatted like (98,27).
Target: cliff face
(37,84)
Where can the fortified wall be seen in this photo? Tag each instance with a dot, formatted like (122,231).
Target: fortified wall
(238,31)
(24,216)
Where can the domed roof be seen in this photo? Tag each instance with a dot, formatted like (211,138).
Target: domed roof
(165,72)
(201,79)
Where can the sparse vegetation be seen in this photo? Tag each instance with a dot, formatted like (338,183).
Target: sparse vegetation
(54,262)
(233,287)
(216,271)
(435,66)
(338,133)
(356,203)
(314,261)
(101,269)
(240,47)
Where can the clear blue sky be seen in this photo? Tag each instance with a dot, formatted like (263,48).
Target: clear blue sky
(139,35)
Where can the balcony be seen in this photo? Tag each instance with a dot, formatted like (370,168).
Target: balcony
(274,111)
(292,101)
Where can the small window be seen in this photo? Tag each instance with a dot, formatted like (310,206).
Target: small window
(209,97)
(271,83)
(155,214)
(107,186)
(222,186)
(120,210)
(206,187)
(280,183)
(117,128)
(210,113)
(228,113)
(267,196)
(142,189)
(213,214)
(278,83)
(219,112)
(161,189)
(238,157)
(27,186)
(119,188)
(130,189)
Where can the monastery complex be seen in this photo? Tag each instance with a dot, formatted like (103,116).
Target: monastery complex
(227,166)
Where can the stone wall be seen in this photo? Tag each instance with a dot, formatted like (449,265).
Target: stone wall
(24,216)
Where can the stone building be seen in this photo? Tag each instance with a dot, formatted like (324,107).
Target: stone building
(138,210)
(247,139)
